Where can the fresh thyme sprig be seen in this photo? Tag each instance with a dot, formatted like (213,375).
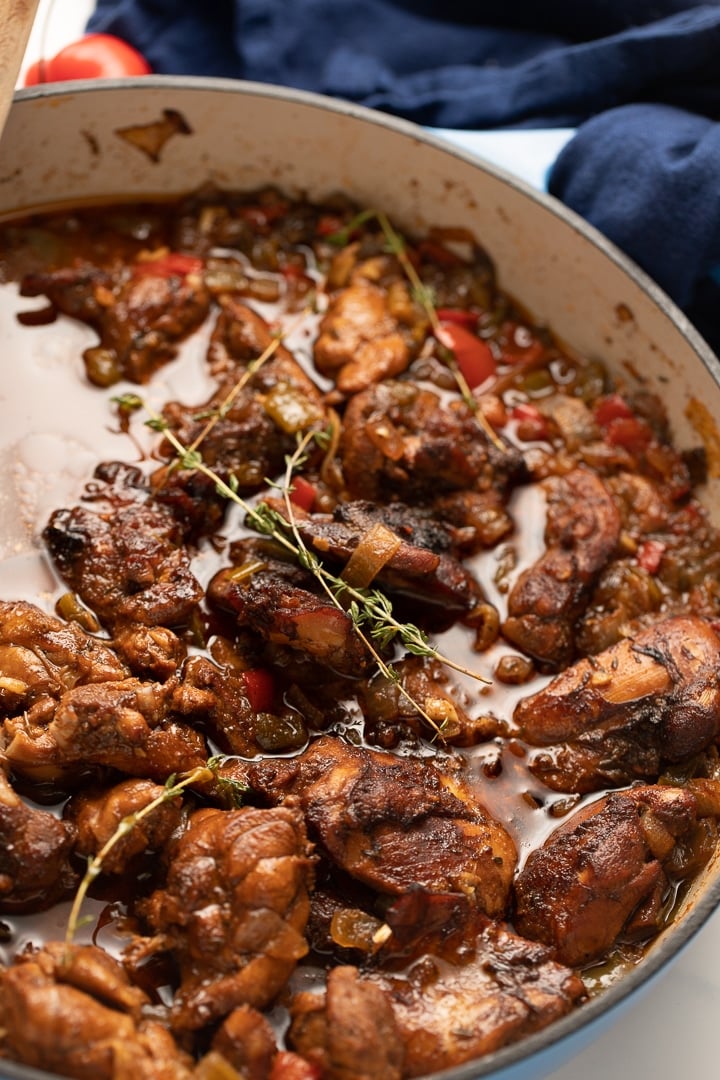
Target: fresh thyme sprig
(172,789)
(368,609)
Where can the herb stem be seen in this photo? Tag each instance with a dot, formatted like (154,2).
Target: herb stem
(171,790)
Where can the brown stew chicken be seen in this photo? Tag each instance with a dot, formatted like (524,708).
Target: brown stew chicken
(305,845)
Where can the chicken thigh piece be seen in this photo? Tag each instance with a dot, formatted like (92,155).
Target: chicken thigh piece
(394,823)
(233,910)
(619,716)
(603,874)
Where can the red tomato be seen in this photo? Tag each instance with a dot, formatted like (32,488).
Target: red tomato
(459,316)
(95,56)
(630,433)
(303,493)
(531,423)
(173,265)
(613,407)
(473,356)
(260,688)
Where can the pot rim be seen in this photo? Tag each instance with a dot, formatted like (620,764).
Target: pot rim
(679,934)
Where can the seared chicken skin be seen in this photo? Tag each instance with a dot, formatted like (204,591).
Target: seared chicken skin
(233,911)
(602,874)
(618,716)
(393,823)
(583,526)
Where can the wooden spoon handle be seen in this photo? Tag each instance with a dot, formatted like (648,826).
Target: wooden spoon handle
(16,19)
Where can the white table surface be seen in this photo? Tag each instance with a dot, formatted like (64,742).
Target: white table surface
(668,1032)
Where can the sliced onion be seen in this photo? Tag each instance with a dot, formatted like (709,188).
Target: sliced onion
(373,552)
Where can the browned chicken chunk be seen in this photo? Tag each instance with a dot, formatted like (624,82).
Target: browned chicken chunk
(601,874)
(400,441)
(436,1015)
(280,603)
(349,1031)
(97,814)
(41,657)
(234,909)
(139,320)
(126,726)
(416,562)
(620,715)
(583,526)
(123,556)
(395,823)
(360,341)
(70,1012)
(247,1041)
(34,851)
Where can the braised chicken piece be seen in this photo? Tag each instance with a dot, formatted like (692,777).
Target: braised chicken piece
(601,875)
(247,1041)
(394,823)
(71,1010)
(128,726)
(234,909)
(151,652)
(349,1031)
(400,441)
(281,604)
(97,814)
(397,550)
(246,430)
(121,552)
(618,717)
(365,335)
(34,851)
(140,317)
(42,656)
(582,531)
(437,1014)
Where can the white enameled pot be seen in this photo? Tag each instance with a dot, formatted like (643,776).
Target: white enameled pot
(68,144)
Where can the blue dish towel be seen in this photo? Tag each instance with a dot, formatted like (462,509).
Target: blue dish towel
(640,79)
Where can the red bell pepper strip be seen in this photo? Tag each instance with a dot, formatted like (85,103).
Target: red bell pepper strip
(303,493)
(610,408)
(172,265)
(260,688)
(459,316)
(473,356)
(630,433)
(650,555)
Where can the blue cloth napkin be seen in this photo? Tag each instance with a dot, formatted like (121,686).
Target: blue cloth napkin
(640,79)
